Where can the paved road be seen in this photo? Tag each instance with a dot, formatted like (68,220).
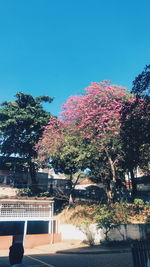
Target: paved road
(75,260)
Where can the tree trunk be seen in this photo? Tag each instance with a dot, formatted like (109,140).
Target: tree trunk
(134,185)
(112,169)
(112,182)
(72,189)
(108,191)
(70,199)
(32,171)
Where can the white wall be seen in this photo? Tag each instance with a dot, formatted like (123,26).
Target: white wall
(129,231)
(69,231)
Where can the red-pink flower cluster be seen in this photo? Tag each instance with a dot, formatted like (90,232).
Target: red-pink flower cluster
(95,115)
(97,112)
(51,139)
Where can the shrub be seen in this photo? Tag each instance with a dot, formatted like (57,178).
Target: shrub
(147,203)
(120,212)
(85,228)
(44,194)
(111,216)
(24,192)
(105,219)
(138,201)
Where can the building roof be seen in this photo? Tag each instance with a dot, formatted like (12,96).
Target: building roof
(87,181)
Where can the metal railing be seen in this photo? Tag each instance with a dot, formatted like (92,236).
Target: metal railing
(13,210)
(141,254)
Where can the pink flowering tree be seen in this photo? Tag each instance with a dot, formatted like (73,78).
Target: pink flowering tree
(88,129)
(51,140)
(96,115)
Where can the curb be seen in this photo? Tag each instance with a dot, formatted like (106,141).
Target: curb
(94,252)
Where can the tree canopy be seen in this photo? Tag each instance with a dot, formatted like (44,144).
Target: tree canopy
(22,124)
(88,130)
(62,149)
(106,129)
(141,84)
(96,115)
(135,136)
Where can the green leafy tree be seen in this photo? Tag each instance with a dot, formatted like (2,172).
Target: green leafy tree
(135,127)
(141,87)
(22,124)
(135,134)
(141,84)
(64,150)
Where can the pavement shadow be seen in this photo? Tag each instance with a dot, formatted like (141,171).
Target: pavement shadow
(96,249)
(4,262)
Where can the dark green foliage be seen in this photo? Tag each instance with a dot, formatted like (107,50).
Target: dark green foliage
(135,135)
(24,192)
(135,130)
(141,84)
(22,124)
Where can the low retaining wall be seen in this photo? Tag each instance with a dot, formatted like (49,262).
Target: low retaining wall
(31,241)
(5,242)
(124,232)
(41,239)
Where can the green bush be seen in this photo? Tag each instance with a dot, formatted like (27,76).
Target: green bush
(111,216)
(147,203)
(85,228)
(138,201)
(24,192)
(105,219)
(44,194)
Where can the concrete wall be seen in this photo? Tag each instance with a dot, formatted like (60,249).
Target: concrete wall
(129,231)
(69,231)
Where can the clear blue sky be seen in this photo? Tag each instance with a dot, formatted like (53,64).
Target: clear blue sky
(58,47)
